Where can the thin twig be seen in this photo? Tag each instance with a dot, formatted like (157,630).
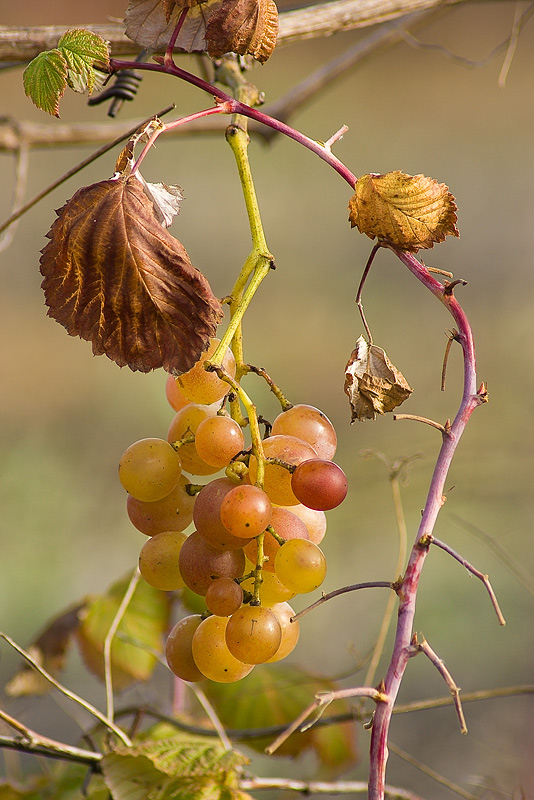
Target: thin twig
(431,773)
(21,176)
(321,702)
(474,571)
(108,676)
(425,648)
(358,301)
(71,695)
(452,337)
(212,716)
(354,587)
(321,787)
(417,418)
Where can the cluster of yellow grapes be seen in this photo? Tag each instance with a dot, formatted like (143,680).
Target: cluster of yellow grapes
(253,549)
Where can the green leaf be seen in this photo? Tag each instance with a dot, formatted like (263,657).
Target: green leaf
(45,80)
(275,695)
(138,636)
(177,767)
(81,49)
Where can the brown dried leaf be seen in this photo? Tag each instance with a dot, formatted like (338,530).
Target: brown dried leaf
(373,385)
(151,23)
(115,277)
(409,211)
(246,27)
(50,651)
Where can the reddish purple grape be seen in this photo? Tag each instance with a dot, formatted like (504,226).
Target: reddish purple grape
(319,484)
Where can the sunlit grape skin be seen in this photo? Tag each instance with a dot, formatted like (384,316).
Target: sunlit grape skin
(278,479)
(158,560)
(211,653)
(224,597)
(319,484)
(246,511)
(218,439)
(149,469)
(300,565)
(207,517)
(178,649)
(172,513)
(272,591)
(200,386)
(253,634)
(187,421)
(286,525)
(309,424)
(290,631)
(200,564)
(174,396)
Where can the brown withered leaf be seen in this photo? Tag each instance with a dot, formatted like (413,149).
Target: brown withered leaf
(412,212)
(246,27)
(115,277)
(50,651)
(151,23)
(373,385)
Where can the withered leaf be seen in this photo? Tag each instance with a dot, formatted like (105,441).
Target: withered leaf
(115,277)
(409,211)
(50,651)
(151,23)
(246,27)
(373,385)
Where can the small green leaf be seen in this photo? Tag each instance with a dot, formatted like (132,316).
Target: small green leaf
(45,80)
(81,48)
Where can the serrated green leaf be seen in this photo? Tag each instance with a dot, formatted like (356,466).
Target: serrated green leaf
(45,80)
(138,636)
(178,767)
(81,48)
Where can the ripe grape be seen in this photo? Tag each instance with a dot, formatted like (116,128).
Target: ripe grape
(211,653)
(286,525)
(200,564)
(174,395)
(278,479)
(310,425)
(178,651)
(149,469)
(319,484)
(223,597)
(172,513)
(200,386)
(315,521)
(246,511)
(253,634)
(207,515)
(272,590)
(158,560)
(218,439)
(290,631)
(186,421)
(300,565)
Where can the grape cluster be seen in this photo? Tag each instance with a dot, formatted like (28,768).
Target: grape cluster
(254,547)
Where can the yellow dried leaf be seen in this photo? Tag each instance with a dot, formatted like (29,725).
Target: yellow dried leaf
(409,211)
(373,385)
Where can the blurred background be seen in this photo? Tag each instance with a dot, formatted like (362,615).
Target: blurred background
(66,417)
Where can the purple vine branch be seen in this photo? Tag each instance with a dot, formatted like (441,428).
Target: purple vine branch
(407,591)
(231,106)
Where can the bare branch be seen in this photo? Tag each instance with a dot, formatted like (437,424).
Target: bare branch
(22,43)
(322,787)
(474,571)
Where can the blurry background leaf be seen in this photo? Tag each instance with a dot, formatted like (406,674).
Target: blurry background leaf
(152,22)
(50,651)
(275,695)
(139,634)
(115,277)
(410,211)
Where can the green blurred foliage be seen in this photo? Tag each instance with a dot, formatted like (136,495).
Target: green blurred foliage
(67,417)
